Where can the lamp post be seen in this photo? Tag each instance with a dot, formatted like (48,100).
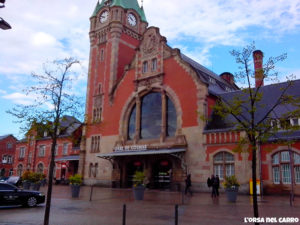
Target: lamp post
(3,24)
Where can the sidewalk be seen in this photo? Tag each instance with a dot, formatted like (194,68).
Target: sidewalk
(157,208)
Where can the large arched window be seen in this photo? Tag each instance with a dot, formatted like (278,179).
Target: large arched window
(281,167)
(151,116)
(223,164)
(156,115)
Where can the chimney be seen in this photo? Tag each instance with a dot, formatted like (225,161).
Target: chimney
(228,77)
(258,67)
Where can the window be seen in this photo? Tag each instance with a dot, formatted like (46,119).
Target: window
(22,153)
(295,122)
(95,145)
(4,159)
(11,172)
(154,65)
(9,159)
(281,167)
(224,164)
(65,149)
(20,170)
(40,168)
(145,67)
(97,114)
(42,150)
(102,55)
(151,116)
(9,145)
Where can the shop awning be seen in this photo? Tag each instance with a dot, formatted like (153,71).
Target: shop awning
(144,152)
(68,158)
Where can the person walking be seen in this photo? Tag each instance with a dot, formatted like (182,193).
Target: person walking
(217,184)
(188,184)
(213,184)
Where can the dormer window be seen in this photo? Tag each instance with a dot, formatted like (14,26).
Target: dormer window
(145,67)
(295,122)
(212,80)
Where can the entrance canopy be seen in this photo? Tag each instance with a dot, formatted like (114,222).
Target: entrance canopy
(68,158)
(112,155)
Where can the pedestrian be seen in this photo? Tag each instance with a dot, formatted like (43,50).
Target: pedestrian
(213,183)
(188,184)
(217,184)
(209,184)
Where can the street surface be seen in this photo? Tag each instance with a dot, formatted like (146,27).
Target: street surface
(158,208)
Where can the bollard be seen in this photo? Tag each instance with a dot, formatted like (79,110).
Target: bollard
(124,214)
(176,214)
(91,193)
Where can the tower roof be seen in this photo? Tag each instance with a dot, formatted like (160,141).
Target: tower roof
(126,4)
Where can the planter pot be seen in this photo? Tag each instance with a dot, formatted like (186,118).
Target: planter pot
(26,185)
(138,192)
(231,193)
(35,186)
(75,189)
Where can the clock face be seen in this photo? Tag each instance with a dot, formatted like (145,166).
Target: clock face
(103,16)
(131,19)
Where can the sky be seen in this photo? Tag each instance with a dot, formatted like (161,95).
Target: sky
(204,30)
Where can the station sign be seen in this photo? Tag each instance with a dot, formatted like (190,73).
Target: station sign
(121,148)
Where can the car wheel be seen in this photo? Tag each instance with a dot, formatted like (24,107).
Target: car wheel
(31,201)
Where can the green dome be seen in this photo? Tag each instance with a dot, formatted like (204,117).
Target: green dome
(126,4)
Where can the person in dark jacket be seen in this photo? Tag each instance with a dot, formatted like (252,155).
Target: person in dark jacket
(188,184)
(217,184)
(213,184)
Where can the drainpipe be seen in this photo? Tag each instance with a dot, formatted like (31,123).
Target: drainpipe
(292,174)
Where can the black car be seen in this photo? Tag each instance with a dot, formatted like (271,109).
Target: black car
(11,195)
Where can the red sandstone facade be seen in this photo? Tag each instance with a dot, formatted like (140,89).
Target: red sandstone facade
(7,153)
(143,109)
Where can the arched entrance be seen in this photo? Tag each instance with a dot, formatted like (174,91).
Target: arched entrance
(162,174)
(131,168)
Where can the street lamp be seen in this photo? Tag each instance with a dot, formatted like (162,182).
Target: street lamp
(3,24)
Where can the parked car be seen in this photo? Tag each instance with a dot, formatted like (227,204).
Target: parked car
(11,195)
(15,180)
(3,179)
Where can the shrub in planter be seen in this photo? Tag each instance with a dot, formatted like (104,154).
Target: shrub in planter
(139,179)
(75,182)
(26,179)
(231,188)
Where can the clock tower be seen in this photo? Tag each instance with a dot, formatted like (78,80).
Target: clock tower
(116,28)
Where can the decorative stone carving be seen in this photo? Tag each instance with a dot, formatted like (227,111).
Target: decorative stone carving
(150,43)
(149,81)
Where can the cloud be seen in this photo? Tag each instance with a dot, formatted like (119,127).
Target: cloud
(19,98)
(222,22)
(41,39)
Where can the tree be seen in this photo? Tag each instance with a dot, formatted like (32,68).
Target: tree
(256,110)
(53,98)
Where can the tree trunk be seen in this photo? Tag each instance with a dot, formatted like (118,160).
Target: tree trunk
(255,206)
(50,182)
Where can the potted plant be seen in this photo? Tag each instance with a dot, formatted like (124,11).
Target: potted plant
(75,182)
(231,188)
(139,185)
(36,179)
(26,180)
